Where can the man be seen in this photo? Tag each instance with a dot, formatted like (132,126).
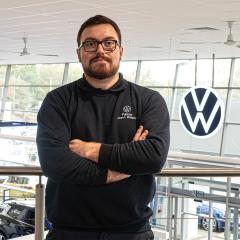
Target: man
(100,140)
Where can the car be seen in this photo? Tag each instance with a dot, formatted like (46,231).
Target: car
(218,217)
(17,218)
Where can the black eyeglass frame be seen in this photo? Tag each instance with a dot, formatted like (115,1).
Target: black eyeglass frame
(99,42)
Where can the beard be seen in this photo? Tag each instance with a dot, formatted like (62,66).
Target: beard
(101,71)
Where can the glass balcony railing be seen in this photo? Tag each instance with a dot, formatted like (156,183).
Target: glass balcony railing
(197,198)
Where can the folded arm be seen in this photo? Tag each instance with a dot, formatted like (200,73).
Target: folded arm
(136,157)
(58,162)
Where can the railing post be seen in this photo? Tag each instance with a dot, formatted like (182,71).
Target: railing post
(39,211)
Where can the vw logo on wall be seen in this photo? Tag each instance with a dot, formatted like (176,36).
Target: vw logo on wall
(201,112)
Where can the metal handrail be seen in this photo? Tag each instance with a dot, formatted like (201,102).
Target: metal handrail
(19,170)
(166,172)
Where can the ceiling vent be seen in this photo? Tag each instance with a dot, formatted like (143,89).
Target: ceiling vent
(152,47)
(203,29)
(184,51)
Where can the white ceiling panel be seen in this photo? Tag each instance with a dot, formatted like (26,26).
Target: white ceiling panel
(24,3)
(55,7)
(151,29)
(9,13)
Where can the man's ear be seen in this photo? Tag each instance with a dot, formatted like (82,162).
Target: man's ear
(121,52)
(79,55)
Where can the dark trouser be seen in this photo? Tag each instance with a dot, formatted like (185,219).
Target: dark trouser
(59,234)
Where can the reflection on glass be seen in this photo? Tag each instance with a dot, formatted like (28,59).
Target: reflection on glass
(20,116)
(181,140)
(179,94)
(232,140)
(18,152)
(221,72)
(75,71)
(236,74)
(157,73)
(190,204)
(204,72)
(1,93)
(37,74)
(186,74)
(128,69)
(2,74)
(234,106)
(26,98)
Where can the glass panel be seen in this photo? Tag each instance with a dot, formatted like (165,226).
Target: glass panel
(166,94)
(1,93)
(232,140)
(159,206)
(234,107)
(157,73)
(18,152)
(236,74)
(128,69)
(2,74)
(222,72)
(181,140)
(23,131)
(204,72)
(20,116)
(179,94)
(186,209)
(75,71)
(186,74)
(26,98)
(39,74)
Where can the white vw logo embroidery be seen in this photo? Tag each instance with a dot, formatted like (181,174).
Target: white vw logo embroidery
(201,112)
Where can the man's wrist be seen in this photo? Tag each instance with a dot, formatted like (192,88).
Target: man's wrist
(92,151)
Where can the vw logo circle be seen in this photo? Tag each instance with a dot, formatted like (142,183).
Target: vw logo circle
(127,109)
(201,112)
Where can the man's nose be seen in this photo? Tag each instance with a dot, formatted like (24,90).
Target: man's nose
(100,48)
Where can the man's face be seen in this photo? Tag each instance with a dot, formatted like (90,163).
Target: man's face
(100,64)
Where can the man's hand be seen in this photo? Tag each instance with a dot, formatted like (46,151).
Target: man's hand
(117,176)
(114,176)
(88,150)
(140,134)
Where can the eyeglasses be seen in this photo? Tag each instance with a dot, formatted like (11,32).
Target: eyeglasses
(92,45)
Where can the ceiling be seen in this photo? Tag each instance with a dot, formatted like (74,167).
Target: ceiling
(151,29)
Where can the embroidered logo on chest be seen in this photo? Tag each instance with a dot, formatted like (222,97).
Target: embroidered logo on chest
(126,113)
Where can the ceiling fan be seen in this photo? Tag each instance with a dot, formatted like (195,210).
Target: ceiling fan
(25,51)
(229,41)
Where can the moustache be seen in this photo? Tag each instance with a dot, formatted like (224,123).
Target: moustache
(100,57)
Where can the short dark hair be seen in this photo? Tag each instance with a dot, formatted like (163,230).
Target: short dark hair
(96,20)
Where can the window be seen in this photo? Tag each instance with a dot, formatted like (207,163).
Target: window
(204,72)
(38,74)
(2,74)
(186,74)
(222,72)
(236,74)
(75,72)
(233,108)
(128,69)
(157,73)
